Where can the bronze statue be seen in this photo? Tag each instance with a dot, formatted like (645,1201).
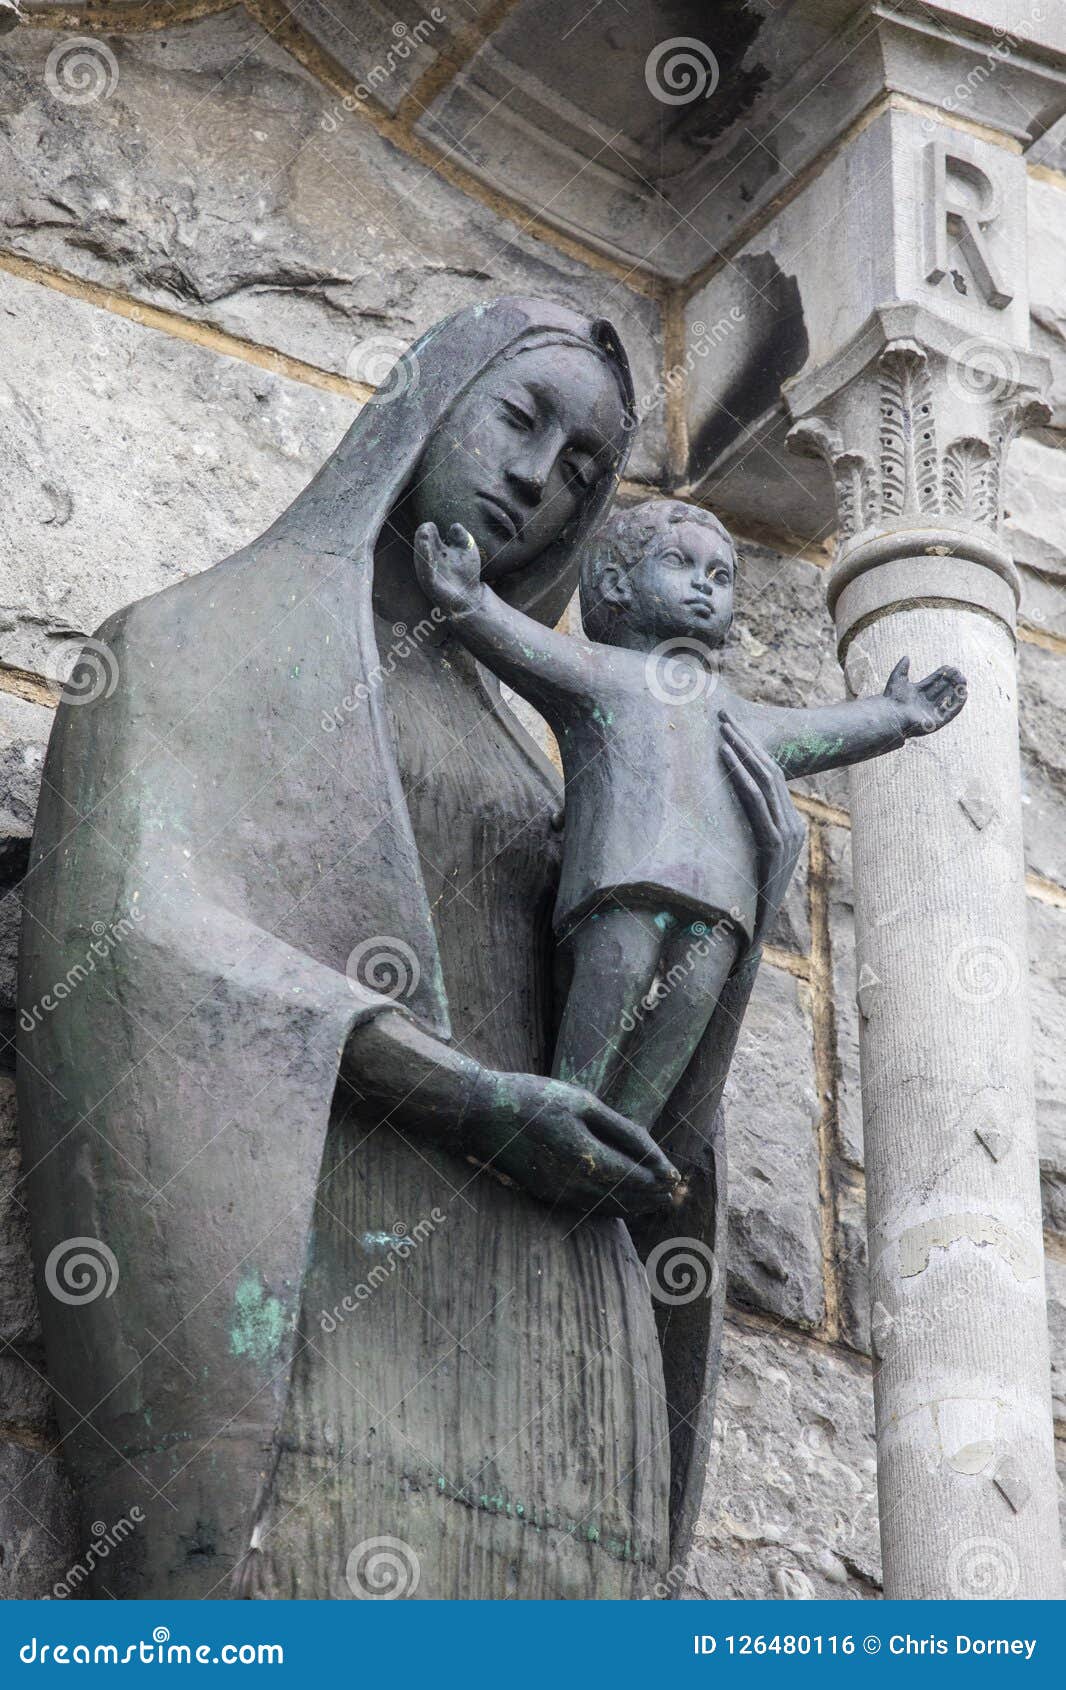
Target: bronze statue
(660,892)
(367,1271)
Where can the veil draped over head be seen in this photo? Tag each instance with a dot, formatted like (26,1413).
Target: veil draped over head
(221,830)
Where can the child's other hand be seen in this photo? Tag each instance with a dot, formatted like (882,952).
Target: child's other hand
(448,572)
(926,705)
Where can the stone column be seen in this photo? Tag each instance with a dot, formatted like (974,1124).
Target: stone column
(914,419)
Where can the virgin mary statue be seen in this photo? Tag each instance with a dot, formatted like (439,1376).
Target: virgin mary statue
(342,1295)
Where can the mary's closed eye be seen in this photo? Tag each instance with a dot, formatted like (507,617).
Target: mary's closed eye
(518,416)
(584,471)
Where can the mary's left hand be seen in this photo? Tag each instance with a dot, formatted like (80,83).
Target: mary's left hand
(779,830)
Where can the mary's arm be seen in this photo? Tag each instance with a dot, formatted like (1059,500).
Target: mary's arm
(555,1140)
(287,1012)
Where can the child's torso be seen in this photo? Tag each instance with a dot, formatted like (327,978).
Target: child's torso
(651,812)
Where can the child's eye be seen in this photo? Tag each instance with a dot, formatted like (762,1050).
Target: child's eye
(723,577)
(673,557)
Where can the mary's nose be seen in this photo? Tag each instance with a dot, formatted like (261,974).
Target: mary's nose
(529,477)
(529,470)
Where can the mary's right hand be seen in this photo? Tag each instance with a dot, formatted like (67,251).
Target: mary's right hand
(564,1146)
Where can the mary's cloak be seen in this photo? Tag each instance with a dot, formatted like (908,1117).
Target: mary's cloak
(221,824)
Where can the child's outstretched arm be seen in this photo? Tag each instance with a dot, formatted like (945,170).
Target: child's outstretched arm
(545,667)
(805,742)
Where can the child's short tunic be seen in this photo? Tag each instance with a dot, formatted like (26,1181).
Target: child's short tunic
(652,816)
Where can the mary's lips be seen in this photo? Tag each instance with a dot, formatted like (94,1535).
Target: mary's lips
(500,513)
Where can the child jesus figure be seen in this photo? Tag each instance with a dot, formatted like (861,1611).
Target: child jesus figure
(659,892)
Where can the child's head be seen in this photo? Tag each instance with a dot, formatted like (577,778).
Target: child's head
(658,571)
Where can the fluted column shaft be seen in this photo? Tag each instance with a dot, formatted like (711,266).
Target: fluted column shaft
(916,443)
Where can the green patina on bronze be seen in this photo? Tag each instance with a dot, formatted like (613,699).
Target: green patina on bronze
(542,1519)
(259,1322)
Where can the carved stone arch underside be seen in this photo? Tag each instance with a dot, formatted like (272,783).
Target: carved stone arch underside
(621,134)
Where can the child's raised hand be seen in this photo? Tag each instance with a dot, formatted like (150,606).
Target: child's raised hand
(449,572)
(926,705)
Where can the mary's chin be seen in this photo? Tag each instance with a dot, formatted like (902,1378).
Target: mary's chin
(499,560)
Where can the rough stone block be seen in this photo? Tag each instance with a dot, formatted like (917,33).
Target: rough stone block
(792,929)
(1034,496)
(24,730)
(1042,714)
(1047,263)
(782,649)
(775,1260)
(845,1011)
(164,458)
(852,1263)
(347,248)
(18,1301)
(1047,997)
(25,1397)
(37,1533)
(1055,1263)
(790,1501)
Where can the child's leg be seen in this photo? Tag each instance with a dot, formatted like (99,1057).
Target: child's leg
(696,962)
(612,957)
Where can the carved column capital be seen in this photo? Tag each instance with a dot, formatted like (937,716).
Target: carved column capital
(914,420)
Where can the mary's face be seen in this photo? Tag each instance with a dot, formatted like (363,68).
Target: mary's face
(519,453)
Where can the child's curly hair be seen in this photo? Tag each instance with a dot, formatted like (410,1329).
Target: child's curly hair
(621,543)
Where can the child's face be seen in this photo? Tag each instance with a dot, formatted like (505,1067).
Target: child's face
(683,585)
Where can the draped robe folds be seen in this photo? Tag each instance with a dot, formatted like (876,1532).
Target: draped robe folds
(218,830)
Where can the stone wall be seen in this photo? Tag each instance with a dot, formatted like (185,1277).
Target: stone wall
(195,293)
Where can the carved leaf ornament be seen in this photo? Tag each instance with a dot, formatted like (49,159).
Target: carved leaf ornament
(911,475)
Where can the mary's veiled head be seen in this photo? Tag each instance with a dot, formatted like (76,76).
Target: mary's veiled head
(522,451)
(513,419)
